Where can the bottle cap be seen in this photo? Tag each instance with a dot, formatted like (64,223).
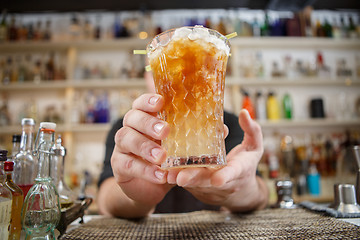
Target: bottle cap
(28,121)
(3,155)
(16,138)
(48,125)
(59,149)
(8,166)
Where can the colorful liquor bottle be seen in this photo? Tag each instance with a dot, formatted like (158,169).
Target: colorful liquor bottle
(17,202)
(5,200)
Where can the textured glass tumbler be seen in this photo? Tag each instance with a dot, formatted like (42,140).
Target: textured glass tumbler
(189,66)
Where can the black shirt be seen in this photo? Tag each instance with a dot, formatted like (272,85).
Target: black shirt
(177,199)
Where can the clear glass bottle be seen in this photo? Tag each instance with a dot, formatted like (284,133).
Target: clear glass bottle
(25,163)
(57,162)
(5,200)
(17,202)
(41,210)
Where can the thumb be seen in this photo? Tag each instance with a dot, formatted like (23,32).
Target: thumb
(253,139)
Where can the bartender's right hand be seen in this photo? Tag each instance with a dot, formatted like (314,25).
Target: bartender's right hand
(137,155)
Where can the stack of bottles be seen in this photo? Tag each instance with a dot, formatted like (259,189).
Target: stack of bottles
(252,66)
(268,107)
(308,158)
(306,23)
(32,186)
(27,68)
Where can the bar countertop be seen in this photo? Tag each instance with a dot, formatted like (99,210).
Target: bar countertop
(296,223)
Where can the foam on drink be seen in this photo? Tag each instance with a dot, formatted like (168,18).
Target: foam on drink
(197,33)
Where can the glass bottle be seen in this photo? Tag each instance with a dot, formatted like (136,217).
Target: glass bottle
(3,27)
(74,29)
(17,202)
(313,180)
(97,31)
(41,209)
(5,200)
(12,31)
(352,29)
(272,107)
(256,28)
(260,106)
(265,28)
(287,106)
(327,28)
(47,31)
(25,164)
(57,162)
(16,138)
(248,105)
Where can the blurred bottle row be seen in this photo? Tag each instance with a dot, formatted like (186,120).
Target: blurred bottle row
(92,106)
(252,65)
(269,106)
(132,67)
(29,68)
(35,68)
(143,25)
(307,158)
(101,106)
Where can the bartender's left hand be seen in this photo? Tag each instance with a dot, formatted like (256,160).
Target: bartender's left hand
(236,185)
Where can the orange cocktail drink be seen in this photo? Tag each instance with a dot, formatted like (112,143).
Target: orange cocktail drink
(189,66)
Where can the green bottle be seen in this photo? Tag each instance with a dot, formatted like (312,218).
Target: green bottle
(287,106)
(265,28)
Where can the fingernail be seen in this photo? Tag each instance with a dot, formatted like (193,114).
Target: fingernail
(158,127)
(153,100)
(155,152)
(247,113)
(159,174)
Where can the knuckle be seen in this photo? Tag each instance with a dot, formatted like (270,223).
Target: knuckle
(120,135)
(146,170)
(127,116)
(128,164)
(144,147)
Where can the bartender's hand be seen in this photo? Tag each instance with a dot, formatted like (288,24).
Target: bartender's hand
(137,155)
(236,185)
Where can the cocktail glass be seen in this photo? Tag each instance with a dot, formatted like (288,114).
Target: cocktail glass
(189,66)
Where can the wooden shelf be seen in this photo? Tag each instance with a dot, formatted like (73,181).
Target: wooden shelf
(78,128)
(100,127)
(90,127)
(140,83)
(309,123)
(43,85)
(132,43)
(294,43)
(300,82)
(124,43)
(109,83)
(78,84)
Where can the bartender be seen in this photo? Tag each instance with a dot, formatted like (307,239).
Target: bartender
(133,185)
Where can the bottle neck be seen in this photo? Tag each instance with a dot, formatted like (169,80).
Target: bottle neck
(26,144)
(8,176)
(46,141)
(2,173)
(57,168)
(15,149)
